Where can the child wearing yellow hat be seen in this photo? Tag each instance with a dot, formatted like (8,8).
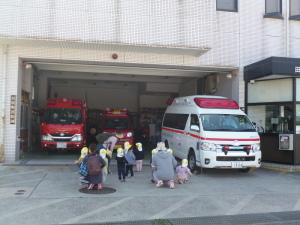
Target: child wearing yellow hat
(130,157)
(104,169)
(183,172)
(121,164)
(84,152)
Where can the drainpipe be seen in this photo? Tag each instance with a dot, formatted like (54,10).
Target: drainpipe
(287,28)
(3,103)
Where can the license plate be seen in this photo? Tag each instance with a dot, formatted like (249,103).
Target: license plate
(236,164)
(61,145)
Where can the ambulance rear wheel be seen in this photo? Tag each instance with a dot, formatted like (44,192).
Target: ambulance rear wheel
(192,161)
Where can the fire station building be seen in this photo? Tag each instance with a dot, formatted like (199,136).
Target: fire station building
(137,54)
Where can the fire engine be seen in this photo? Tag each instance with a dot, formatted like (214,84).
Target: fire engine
(64,124)
(113,120)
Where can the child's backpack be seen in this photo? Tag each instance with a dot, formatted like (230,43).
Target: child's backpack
(102,137)
(93,165)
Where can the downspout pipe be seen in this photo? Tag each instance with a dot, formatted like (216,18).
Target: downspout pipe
(4,75)
(287,36)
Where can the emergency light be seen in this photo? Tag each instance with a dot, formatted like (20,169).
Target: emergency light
(116,111)
(216,103)
(51,101)
(77,102)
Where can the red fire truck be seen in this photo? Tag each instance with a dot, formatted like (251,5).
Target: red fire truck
(64,125)
(113,120)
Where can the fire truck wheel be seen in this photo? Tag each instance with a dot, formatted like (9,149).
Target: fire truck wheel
(246,170)
(192,161)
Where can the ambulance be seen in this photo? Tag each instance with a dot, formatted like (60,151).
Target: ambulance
(211,132)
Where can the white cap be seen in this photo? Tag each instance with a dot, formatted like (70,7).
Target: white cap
(161,146)
(120,152)
(103,153)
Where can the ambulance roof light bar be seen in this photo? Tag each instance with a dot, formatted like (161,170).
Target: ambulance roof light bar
(216,103)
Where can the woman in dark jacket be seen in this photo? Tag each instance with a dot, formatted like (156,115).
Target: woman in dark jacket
(94,179)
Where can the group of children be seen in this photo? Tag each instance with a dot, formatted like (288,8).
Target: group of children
(128,156)
(125,158)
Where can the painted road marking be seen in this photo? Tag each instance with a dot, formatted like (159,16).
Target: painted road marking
(167,211)
(27,209)
(240,205)
(96,211)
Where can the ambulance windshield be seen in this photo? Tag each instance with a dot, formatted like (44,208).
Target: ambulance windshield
(226,122)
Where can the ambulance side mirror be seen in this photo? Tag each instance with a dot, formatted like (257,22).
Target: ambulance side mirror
(195,128)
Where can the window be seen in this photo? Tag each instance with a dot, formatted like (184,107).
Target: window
(294,10)
(176,121)
(273,118)
(273,9)
(227,5)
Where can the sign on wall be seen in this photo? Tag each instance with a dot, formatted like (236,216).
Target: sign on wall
(12,109)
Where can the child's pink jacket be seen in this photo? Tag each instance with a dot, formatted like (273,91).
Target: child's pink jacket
(183,172)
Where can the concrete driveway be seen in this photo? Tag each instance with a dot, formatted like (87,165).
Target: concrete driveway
(46,191)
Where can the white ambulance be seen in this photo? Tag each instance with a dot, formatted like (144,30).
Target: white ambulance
(211,132)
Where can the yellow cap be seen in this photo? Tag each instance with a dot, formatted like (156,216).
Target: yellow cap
(138,144)
(170,151)
(120,150)
(154,151)
(184,162)
(84,151)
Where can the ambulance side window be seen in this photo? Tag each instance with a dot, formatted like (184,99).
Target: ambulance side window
(194,120)
(194,123)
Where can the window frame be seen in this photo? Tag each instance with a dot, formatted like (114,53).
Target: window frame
(228,10)
(294,16)
(274,15)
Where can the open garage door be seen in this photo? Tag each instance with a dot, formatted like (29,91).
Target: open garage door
(141,89)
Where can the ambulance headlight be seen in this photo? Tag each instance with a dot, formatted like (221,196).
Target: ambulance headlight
(77,137)
(256,147)
(129,134)
(208,146)
(46,137)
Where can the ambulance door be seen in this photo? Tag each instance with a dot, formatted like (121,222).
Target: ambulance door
(179,140)
(193,136)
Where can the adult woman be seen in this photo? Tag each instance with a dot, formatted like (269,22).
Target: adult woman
(94,179)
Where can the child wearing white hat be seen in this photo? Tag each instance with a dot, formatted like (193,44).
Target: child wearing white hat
(130,157)
(153,152)
(183,172)
(104,169)
(139,157)
(121,164)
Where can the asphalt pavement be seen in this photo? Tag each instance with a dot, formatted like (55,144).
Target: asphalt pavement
(42,189)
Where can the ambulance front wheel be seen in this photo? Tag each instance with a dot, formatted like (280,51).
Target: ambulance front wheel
(192,161)
(246,170)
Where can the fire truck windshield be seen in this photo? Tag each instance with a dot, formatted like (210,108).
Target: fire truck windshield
(63,116)
(116,123)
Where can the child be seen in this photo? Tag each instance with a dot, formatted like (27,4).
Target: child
(126,147)
(154,151)
(139,156)
(121,161)
(130,157)
(93,161)
(183,172)
(84,152)
(104,169)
